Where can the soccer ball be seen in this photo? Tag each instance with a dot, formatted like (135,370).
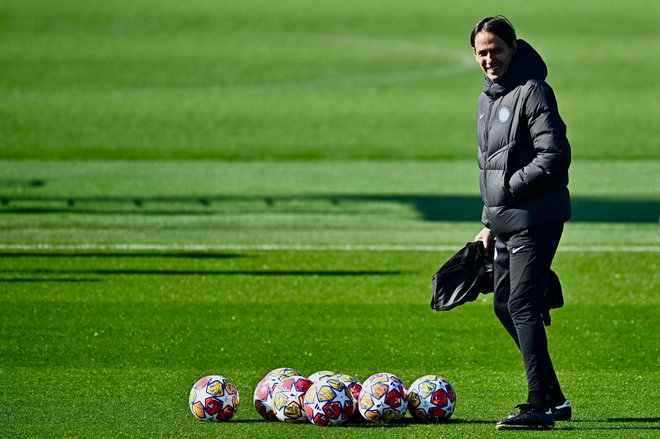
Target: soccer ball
(431,399)
(353,385)
(329,402)
(213,398)
(285,371)
(321,375)
(263,394)
(383,398)
(288,399)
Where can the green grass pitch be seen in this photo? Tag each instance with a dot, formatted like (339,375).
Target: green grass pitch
(194,188)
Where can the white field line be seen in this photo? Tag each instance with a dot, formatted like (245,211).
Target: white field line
(299,247)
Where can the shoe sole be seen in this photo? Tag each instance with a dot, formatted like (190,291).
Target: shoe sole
(564,414)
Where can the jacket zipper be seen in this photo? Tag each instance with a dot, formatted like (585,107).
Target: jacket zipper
(491,102)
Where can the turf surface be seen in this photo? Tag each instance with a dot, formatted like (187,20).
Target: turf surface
(201,187)
(109,344)
(306,79)
(122,283)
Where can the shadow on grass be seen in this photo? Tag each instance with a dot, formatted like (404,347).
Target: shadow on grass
(42,280)
(610,424)
(561,426)
(107,212)
(129,254)
(430,207)
(361,423)
(577,425)
(403,423)
(108,272)
(22,183)
(467,421)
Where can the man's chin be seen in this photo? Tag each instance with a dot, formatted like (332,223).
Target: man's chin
(495,78)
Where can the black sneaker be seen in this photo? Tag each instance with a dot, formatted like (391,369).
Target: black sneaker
(563,412)
(528,418)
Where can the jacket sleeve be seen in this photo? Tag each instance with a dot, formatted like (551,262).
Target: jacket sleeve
(484,217)
(552,152)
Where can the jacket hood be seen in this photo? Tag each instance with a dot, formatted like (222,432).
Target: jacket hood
(526,64)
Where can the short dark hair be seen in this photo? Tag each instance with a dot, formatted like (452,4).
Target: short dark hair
(498,25)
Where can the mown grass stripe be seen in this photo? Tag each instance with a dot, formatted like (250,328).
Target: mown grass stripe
(297,247)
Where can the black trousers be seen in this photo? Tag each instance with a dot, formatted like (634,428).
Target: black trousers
(521,266)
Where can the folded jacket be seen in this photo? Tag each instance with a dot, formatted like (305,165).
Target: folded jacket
(469,273)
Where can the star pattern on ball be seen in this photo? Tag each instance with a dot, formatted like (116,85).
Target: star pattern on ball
(294,394)
(317,410)
(425,404)
(342,398)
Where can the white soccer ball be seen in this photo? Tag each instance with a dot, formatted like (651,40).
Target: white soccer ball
(329,402)
(431,399)
(383,399)
(354,385)
(288,399)
(263,393)
(213,398)
(321,375)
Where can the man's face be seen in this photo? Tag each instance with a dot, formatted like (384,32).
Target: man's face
(493,55)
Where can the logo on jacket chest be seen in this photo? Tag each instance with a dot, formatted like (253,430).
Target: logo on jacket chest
(504,114)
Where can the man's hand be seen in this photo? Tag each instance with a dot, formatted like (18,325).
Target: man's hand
(486,238)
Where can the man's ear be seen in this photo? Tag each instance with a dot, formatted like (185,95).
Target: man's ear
(515,46)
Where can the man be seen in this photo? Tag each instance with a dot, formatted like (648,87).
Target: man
(523,157)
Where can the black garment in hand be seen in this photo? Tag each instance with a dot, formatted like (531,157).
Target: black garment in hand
(469,273)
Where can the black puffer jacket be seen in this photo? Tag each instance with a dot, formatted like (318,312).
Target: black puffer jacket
(523,151)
